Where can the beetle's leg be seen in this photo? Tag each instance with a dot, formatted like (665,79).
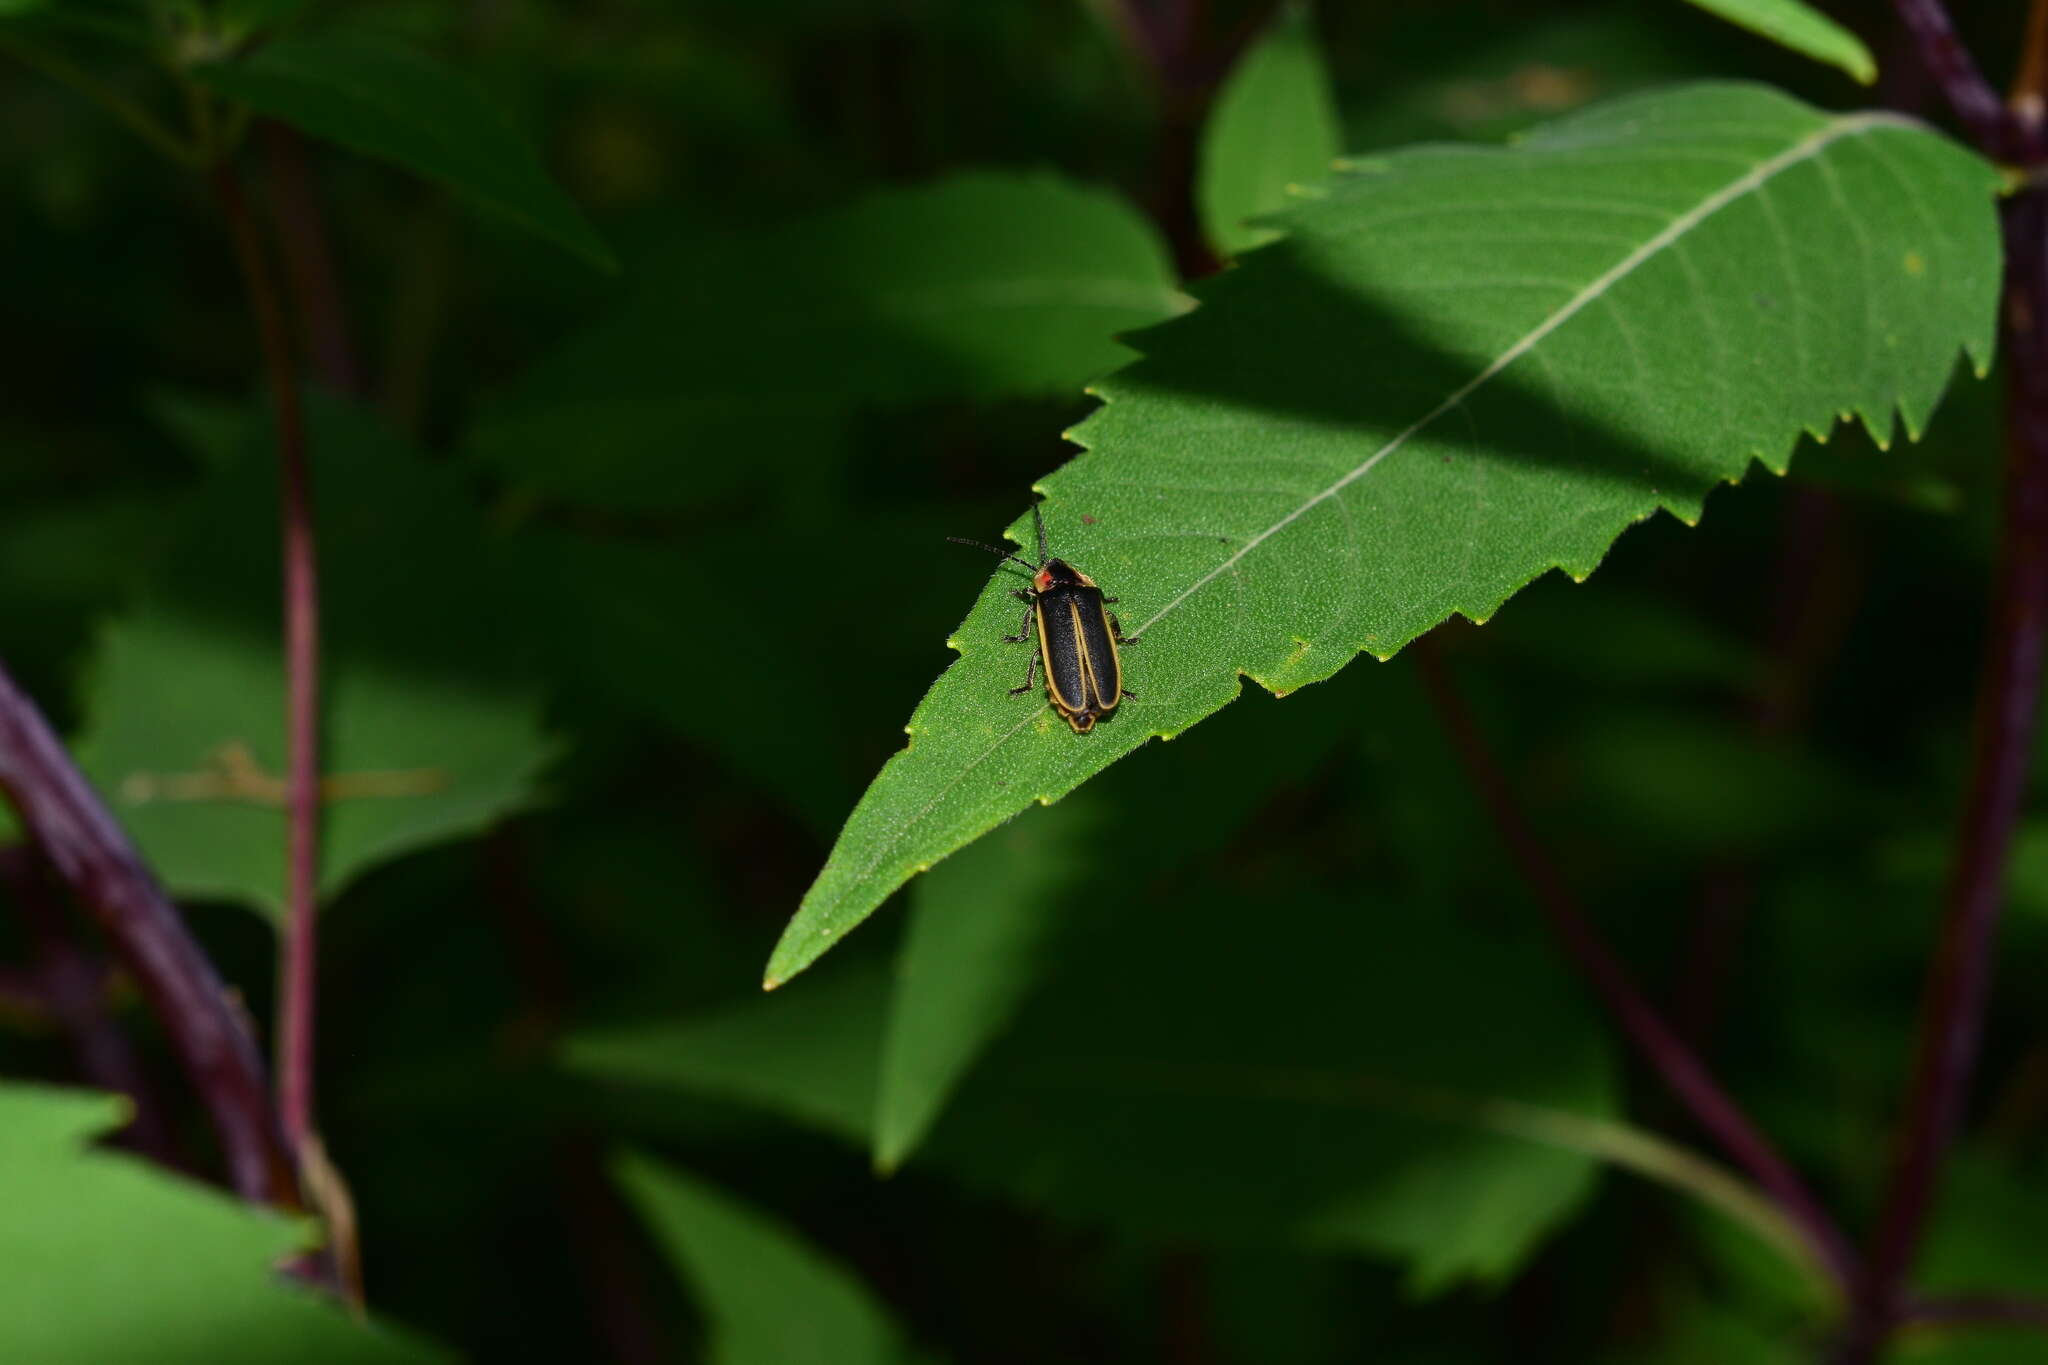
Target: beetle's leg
(1118,627)
(1112,599)
(1030,677)
(1023,630)
(1128,695)
(1020,594)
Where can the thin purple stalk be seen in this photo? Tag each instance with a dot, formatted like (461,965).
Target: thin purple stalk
(1990,123)
(74,988)
(1668,1054)
(2029,99)
(89,851)
(309,259)
(1959,981)
(298,969)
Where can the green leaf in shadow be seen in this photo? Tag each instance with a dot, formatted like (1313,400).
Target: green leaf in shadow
(1274,130)
(977,286)
(977,930)
(768,1296)
(376,96)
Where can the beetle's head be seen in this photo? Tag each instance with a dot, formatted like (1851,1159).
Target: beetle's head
(1057,573)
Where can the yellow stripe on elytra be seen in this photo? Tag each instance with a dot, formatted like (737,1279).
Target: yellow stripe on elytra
(1105,698)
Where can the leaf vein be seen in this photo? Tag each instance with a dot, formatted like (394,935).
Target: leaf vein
(1753,180)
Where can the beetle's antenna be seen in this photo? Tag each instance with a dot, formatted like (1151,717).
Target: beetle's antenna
(1043,554)
(999,554)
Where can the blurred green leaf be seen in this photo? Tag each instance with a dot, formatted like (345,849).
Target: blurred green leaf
(1340,1061)
(239,17)
(392,102)
(1700,1334)
(128,22)
(613,609)
(1487,73)
(431,719)
(978,927)
(1803,29)
(982,286)
(1654,1158)
(1274,130)
(1909,476)
(811,1055)
(1921,861)
(62,566)
(1616,635)
(768,1296)
(111,1261)
(1970,1343)
(1979,1241)
(1457,372)
(1377,1091)
(1679,781)
(1980,1244)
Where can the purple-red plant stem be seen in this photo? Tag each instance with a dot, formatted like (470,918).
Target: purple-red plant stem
(1990,123)
(308,259)
(2029,98)
(1668,1054)
(89,851)
(1170,38)
(74,987)
(1959,979)
(298,969)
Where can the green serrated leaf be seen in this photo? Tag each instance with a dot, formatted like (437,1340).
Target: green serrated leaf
(385,100)
(977,931)
(1802,28)
(769,1297)
(430,732)
(113,1262)
(1274,131)
(1460,369)
(978,286)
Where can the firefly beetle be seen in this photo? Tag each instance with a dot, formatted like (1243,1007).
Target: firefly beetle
(1077,636)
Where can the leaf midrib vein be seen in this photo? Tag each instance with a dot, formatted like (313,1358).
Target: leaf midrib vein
(1751,180)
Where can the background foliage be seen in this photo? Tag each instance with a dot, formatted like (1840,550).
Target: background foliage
(679,336)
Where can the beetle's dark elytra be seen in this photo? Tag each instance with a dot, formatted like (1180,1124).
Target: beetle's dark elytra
(1083,674)
(1077,637)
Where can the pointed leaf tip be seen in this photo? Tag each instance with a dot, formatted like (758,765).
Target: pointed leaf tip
(1799,27)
